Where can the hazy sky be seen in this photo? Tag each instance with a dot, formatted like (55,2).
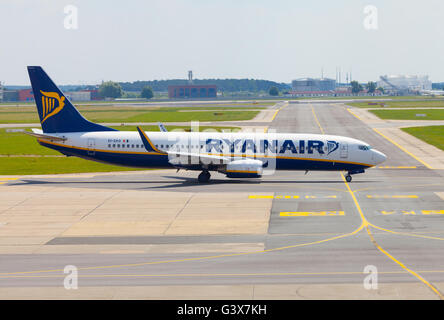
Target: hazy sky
(277,40)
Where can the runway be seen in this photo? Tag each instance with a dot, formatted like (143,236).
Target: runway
(291,235)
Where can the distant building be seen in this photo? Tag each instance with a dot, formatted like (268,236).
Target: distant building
(192,91)
(79,95)
(402,83)
(94,93)
(313,85)
(25,95)
(10,95)
(1,92)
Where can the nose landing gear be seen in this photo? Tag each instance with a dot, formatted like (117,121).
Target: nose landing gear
(203,177)
(348,177)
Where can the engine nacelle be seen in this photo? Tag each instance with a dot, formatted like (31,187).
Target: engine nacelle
(247,168)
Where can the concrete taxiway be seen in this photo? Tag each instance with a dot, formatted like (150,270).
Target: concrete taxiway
(161,235)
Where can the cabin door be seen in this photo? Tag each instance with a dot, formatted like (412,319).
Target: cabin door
(91,147)
(344,150)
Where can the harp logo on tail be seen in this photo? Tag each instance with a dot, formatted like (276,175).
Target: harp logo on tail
(52,104)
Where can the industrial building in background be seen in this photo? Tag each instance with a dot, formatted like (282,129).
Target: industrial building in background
(1,92)
(309,87)
(404,85)
(25,95)
(191,90)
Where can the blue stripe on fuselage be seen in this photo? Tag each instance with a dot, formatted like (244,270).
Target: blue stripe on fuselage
(154,160)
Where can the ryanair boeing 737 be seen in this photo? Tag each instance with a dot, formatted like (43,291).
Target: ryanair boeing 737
(237,155)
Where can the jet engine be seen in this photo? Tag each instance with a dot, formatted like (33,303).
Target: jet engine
(247,168)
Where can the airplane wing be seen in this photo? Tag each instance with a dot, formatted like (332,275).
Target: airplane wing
(37,133)
(183,159)
(233,167)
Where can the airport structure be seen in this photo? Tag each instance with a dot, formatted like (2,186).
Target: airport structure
(79,95)
(25,95)
(313,87)
(191,90)
(403,84)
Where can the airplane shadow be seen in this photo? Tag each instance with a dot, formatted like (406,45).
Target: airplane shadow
(183,182)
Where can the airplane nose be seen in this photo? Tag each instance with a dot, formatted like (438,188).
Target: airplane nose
(379,157)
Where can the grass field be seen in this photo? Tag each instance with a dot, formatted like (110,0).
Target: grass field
(433,135)
(430,114)
(134,114)
(29,156)
(400,104)
(43,165)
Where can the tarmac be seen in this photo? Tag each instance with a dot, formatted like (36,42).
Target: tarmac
(159,234)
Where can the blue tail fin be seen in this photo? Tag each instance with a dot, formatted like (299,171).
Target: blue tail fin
(56,112)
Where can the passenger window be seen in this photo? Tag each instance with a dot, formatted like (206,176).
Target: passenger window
(118,145)
(114,145)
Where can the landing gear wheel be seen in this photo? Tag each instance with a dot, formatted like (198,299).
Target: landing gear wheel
(348,178)
(203,177)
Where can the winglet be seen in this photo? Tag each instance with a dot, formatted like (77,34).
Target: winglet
(149,146)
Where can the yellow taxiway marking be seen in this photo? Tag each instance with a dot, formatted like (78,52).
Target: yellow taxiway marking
(340,236)
(365,224)
(354,114)
(6,180)
(396,144)
(291,197)
(316,119)
(274,115)
(432,212)
(407,234)
(312,213)
(218,274)
(403,149)
(408,196)
(260,197)
(397,167)
(412,212)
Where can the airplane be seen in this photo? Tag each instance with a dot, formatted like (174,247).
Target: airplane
(235,154)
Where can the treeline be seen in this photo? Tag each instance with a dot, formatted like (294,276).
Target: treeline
(224,85)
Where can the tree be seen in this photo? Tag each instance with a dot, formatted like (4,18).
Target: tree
(371,87)
(356,87)
(147,92)
(110,89)
(273,91)
(381,89)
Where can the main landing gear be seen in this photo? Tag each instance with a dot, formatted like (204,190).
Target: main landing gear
(203,177)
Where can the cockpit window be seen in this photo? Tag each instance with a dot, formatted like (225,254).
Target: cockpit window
(361,147)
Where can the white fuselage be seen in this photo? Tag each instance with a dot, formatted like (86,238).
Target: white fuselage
(291,151)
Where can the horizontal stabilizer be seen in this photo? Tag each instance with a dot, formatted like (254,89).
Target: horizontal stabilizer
(37,133)
(162,127)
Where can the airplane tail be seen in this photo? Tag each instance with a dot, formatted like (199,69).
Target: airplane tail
(56,112)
